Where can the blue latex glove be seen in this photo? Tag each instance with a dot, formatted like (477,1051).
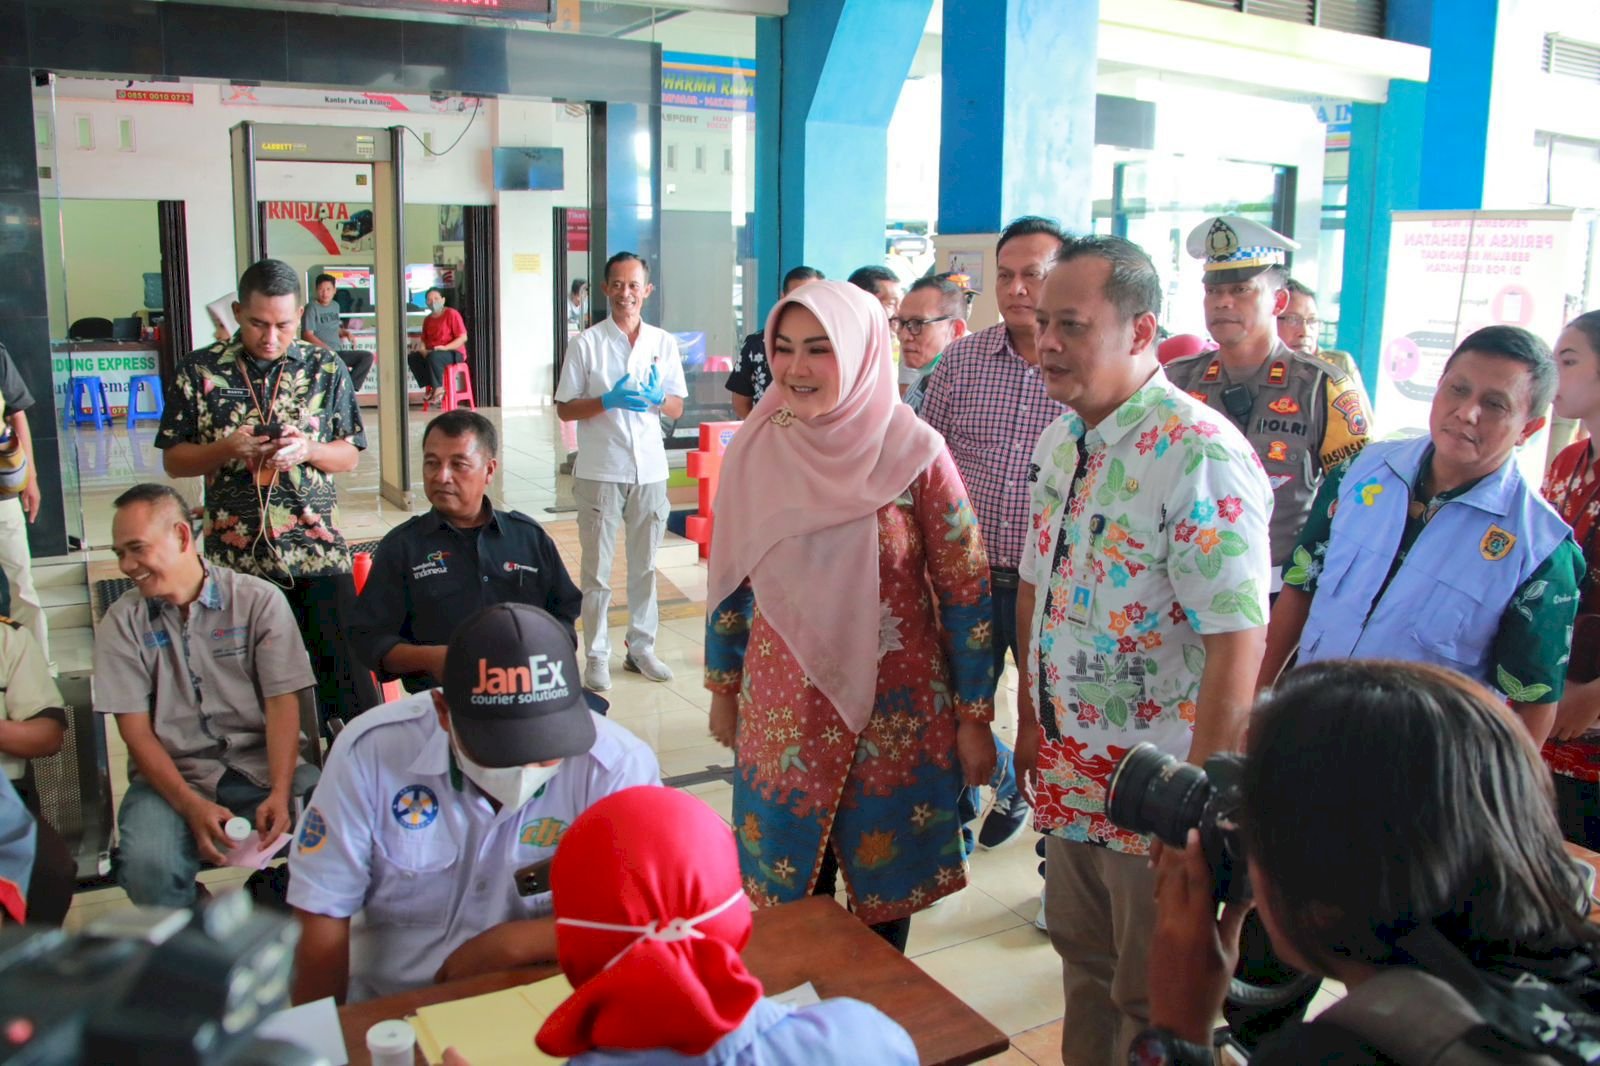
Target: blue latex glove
(654,390)
(626,395)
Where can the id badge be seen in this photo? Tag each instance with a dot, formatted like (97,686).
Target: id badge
(1079,607)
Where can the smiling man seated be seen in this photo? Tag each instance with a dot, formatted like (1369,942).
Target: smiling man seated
(425,852)
(202,668)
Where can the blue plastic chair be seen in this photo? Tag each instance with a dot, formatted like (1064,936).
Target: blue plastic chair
(158,403)
(89,391)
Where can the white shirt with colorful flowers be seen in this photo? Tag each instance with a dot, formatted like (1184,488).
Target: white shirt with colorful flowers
(1163,538)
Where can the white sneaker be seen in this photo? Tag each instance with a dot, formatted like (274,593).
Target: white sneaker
(646,663)
(597,675)
(1038,920)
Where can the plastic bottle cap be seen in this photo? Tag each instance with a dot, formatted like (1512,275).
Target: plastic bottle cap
(388,1038)
(237,829)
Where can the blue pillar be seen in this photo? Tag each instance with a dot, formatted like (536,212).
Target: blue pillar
(1421,150)
(633,190)
(828,76)
(1017,132)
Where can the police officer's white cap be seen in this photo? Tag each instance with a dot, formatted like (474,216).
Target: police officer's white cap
(1237,249)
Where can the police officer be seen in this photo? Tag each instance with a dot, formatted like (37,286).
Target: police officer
(436,569)
(438,814)
(1303,413)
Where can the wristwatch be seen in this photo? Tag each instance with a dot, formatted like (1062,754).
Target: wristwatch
(1162,1047)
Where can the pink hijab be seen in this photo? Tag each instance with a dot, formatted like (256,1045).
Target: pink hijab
(796,512)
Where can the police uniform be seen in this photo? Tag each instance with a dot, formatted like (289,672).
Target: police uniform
(397,838)
(1303,414)
(427,576)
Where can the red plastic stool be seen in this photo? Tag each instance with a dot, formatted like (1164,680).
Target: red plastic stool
(457,388)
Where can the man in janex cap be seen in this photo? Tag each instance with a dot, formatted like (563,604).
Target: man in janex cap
(424,853)
(1304,413)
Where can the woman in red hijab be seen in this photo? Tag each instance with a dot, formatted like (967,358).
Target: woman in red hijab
(650,920)
(848,644)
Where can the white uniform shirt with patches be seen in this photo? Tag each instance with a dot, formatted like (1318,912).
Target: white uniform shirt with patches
(420,865)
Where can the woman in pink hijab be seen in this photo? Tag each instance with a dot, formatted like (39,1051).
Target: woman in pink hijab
(848,642)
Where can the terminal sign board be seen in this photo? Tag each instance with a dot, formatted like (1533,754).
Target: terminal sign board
(522,9)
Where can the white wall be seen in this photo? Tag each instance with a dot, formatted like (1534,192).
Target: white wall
(110,246)
(182,153)
(1525,100)
(526,229)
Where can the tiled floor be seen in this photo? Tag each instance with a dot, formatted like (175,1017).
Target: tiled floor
(980,943)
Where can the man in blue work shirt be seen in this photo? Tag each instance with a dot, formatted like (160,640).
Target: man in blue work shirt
(438,568)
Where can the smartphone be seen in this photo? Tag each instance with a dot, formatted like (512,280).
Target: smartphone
(534,880)
(272,430)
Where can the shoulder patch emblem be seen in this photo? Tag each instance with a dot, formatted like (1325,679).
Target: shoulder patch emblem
(1348,404)
(1277,452)
(1278,374)
(313,832)
(1213,372)
(1496,544)
(1284,405)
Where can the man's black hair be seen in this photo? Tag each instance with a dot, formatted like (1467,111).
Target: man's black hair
(1027,226)
(329,278)
(465,420)
(801,273)
(270,277)
(627,257)
(1520,346)
(869,278)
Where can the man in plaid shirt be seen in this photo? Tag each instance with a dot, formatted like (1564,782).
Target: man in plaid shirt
(988,400)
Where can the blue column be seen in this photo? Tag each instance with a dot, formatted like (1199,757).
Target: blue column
(1017,132)
(1422,150)
(633,190)
(827,80)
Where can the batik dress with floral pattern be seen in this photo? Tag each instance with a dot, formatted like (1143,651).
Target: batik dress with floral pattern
(886,797)
(1573,489)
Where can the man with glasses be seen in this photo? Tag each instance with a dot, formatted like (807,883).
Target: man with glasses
(1303,412)
(988,400)
(932,315)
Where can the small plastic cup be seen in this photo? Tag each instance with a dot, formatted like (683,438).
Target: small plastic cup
(237,829)
(392,1043)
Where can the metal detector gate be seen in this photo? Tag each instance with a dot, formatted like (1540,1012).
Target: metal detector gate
(381,149)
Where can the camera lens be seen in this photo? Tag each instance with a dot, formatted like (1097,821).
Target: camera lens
(1152,792)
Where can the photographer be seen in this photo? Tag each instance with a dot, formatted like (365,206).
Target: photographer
(1465,907)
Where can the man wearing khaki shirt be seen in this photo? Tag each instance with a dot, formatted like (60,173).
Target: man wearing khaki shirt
(202,667)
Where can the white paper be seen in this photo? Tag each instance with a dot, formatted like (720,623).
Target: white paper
(801,996)
(313,1027)
(249,853)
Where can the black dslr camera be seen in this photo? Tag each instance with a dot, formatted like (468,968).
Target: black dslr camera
(150,986)
(1152,792)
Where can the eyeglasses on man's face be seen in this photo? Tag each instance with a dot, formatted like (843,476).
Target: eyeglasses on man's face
(914,326)
(1300,321)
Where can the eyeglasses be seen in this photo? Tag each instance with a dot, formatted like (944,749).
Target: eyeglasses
(915,326)
(1300,321)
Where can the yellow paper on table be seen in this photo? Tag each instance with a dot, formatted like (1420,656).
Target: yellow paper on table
(496,1029)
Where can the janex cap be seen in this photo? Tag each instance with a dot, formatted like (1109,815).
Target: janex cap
(512,684)
(1237,249)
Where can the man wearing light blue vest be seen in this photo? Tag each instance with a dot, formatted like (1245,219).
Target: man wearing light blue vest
(1437,550)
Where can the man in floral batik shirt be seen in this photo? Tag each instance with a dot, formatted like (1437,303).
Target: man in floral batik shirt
(218,399)
(1141,614)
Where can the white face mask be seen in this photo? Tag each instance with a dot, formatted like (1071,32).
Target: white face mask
(509,786)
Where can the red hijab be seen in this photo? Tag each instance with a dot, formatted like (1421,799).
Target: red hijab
(650,920)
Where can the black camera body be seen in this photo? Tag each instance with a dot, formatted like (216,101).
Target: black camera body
(1152,792)
(150,985)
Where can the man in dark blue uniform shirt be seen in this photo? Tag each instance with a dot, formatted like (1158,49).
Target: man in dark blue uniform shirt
(435,570)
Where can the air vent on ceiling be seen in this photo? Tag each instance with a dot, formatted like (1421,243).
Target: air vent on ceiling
(1571,57)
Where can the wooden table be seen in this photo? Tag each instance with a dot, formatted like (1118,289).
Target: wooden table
(813,940)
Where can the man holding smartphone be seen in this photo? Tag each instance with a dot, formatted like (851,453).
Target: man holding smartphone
(268,420)
(424,853)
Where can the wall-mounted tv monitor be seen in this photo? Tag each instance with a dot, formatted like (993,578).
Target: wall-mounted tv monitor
(528,168)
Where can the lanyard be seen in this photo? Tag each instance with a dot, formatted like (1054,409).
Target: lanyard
(277,381)
(1063,550)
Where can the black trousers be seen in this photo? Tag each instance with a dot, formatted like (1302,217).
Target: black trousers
(344,686)
(428,368)
(54,877)
(895,931)
(359,362)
